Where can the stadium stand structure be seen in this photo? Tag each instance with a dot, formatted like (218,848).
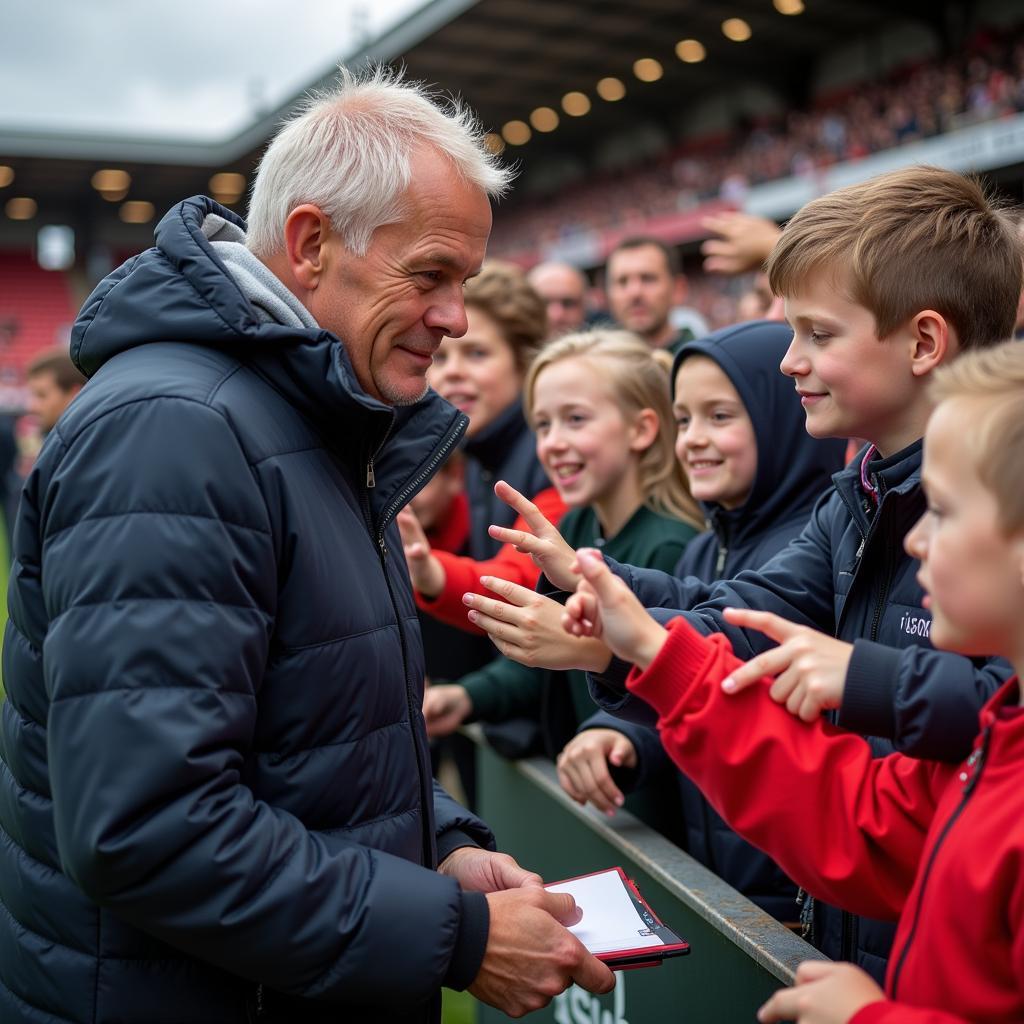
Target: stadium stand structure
(820,97)
(37,308)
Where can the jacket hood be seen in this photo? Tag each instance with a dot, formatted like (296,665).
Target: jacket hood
(181,291)
(793,468)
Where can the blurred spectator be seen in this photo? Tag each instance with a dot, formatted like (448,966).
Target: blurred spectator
(53,381)
(644,281)
(563,289)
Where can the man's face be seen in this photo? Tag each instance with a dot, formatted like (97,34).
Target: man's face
(47,399)
(641,290)
(392,306)
(562,289)
(972,570)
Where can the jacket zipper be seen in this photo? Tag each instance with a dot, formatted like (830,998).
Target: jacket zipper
(398,503)
(402,499)
(970,776)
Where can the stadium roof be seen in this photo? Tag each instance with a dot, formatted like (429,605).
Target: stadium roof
(505,58)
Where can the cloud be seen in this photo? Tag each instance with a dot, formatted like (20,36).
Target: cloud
(199,69)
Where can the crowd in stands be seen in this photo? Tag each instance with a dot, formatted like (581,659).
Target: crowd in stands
(983,81)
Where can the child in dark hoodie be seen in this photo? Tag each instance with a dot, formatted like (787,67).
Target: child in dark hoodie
(727,393)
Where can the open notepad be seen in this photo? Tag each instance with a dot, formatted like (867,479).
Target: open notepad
(618,926)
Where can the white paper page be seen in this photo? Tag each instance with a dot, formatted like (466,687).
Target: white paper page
(610,919)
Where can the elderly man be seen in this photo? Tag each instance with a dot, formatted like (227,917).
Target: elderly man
(217,795)
(563,289)
(643,282)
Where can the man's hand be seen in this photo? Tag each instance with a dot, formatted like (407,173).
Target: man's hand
(530,957)
(427,573)
(544,544)
(527,627)
(825,993)
(743,242)
(483,871)
(603,606)
(583,767)
(445,707)
(810,666)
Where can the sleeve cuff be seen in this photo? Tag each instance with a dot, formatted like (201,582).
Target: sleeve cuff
(470,943)
(679,665)
(482,696)
(453,839)
(868,704)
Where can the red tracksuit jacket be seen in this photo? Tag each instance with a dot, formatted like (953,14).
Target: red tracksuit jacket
(936,846)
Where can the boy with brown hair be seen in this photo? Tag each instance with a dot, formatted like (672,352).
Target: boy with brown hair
(883,282)
(935,845)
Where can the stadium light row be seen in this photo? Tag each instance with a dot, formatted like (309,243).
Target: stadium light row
(611,89)
(113,184)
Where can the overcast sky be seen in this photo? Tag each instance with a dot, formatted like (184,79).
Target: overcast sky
(199,69)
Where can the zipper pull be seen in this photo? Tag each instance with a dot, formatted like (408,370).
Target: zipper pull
(975,763)
(723,551)
(371,480)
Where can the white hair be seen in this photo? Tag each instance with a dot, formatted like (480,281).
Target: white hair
(348,150)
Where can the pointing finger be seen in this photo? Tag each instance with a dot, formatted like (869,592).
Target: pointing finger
(771,625)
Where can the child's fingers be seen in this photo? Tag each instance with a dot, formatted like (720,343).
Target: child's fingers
(771,625)
(535,519)
(771,663)
(623,753)
(812,970)
(784,1005)
(501,610)
(525,543)
(512,592)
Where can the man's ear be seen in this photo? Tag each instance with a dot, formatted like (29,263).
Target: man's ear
(306,232)
(644,431)
(932,341)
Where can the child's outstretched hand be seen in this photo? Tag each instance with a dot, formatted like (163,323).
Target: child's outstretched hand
(544,544)
(603,606)
(583,767)
(810,667)
(526,627)
(825,993)
(427,573)
(445,707)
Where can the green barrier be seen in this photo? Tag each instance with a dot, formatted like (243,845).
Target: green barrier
(739,955)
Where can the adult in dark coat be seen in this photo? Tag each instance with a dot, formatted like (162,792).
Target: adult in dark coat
(215,797)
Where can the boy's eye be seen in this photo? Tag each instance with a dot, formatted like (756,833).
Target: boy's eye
(720,417)
(935,512)
(575,419)
(818,337)
(682,422)
(477,353)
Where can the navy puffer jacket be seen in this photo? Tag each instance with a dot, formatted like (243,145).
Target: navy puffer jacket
(215,796)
